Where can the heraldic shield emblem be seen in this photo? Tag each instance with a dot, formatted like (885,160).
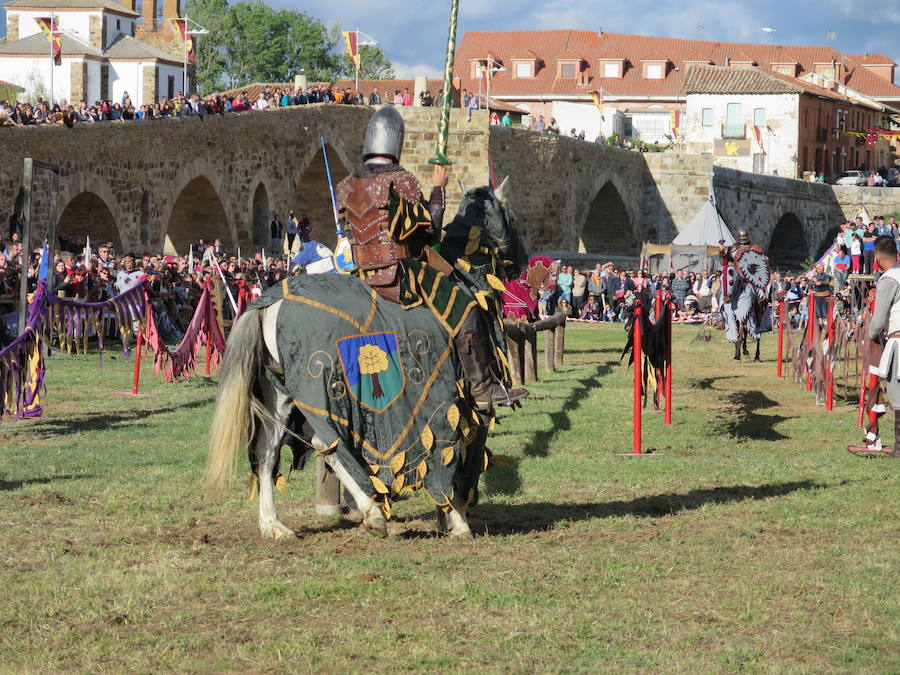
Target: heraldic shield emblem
(372,369)
(753,266)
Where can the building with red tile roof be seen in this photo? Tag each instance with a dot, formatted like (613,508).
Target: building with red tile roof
(643,76)
(756,120)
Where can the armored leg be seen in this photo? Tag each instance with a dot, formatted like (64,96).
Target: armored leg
(474,350)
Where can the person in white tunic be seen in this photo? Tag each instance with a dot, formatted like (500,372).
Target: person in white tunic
(885,323)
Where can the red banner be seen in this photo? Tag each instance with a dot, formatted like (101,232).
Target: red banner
(351,39)
(182,28)
(758,133)
(676,122)
(51,31)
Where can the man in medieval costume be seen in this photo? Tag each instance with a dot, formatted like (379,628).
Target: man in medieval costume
(885,323)
(745,279)
(314,257)
(393,230)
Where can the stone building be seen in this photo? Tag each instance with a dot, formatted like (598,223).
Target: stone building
(753,120)
(107,49)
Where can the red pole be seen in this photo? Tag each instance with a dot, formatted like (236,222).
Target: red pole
(668,394)
(810,318)
(638,375)
(829,382)
(778,369)
(657,306)
(208,339)
(137,360)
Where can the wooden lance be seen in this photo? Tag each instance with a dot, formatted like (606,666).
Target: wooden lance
(440,153)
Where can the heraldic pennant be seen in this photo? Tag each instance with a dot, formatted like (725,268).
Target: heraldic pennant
(372,369)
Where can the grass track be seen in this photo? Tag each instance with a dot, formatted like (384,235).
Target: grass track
(754,542)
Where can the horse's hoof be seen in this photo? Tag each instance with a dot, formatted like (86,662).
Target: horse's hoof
(377,526)
(736,359)
(757,360)
(327,510)
(461,533)
(276,530)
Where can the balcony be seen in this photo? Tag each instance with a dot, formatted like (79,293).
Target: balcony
(734,130)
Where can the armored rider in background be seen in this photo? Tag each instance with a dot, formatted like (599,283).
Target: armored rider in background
(393,230)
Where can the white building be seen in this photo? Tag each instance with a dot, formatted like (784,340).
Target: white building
(765,122)
(100,57)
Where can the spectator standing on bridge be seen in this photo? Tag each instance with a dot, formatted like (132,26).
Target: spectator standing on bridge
(470,106)
(407,98)
(506,121)
(375,97)
(540,126)
(855,253)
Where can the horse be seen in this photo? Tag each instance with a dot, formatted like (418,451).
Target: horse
(746,313)
(260,405)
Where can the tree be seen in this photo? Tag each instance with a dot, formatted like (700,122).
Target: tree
(210,64)
(374,64)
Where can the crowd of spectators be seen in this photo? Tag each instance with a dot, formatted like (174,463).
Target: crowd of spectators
(176,281)
(269,98)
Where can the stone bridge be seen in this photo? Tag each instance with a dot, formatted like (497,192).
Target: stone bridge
(161,185)
(579,196)
(151,186)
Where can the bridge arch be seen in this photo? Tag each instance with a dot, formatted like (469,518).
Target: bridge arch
(197,213)
(788,246)
(87,214)
(261,212)
(608,227)
(311,195)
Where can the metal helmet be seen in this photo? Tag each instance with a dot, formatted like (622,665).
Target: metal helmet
(743,236)
(384,136)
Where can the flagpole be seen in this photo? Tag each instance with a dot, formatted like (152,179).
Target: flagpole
(358,60)
(185,38)
(52,35)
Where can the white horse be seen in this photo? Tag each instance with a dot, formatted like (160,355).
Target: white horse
(251,414)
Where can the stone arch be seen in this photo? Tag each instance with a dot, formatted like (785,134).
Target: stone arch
(311,195)
(197,213)
(608,227)
(788,246)
(87,215)
(261,210)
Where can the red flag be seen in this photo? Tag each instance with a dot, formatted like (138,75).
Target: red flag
(182,28)
(50,29)
(676,122)
(351,39)
(758,133)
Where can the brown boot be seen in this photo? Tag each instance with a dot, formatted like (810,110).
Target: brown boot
(475,356)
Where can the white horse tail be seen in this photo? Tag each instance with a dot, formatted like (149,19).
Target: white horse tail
(233,422)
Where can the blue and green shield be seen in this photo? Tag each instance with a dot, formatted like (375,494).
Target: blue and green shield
(372,369)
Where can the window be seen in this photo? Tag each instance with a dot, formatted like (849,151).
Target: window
(734,126)
(785,70)
(707,115)
(759,117)
(610,70)
(568,70)
(654,71)
(827,72)
(171,87)
(523,69)
(118,24)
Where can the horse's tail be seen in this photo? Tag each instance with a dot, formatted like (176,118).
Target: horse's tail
(233,421)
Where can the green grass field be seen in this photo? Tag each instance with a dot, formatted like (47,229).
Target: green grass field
(754,541)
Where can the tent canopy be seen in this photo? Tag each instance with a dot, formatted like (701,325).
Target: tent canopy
(705,229)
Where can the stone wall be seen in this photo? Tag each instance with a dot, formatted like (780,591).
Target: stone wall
(149,83)
(79,82)
(12,27)
(468,149)
(96,32)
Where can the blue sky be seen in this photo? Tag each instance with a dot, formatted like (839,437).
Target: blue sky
(413,32)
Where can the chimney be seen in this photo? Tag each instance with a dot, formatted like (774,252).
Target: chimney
(128,4)
(148,13)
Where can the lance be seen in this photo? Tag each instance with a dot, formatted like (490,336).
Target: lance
(440,153)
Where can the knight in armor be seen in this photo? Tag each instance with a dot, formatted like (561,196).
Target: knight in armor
(313,256)
(743,304)
(393,230)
